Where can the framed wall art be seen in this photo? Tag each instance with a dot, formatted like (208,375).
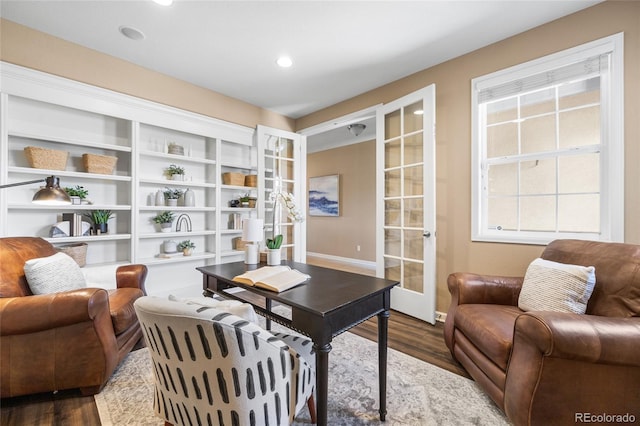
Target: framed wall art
(324,196)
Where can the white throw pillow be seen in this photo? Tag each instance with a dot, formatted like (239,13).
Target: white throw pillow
(560,287)
(234,307)
(53,274)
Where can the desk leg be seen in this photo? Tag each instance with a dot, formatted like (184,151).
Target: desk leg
(322,382)
(267,305)
(383,323)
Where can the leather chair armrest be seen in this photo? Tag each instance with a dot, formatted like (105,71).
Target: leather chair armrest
(132,276)
(467,288)
(30,314)
(587,338)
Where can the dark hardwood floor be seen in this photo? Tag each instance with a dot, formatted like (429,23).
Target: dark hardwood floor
(406,334)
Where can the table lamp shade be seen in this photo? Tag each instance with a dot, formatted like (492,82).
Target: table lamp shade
(252,229)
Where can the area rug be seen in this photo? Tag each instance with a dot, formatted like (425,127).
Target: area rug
(418,393)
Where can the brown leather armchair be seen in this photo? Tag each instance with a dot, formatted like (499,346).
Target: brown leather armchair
(73,339)
(551,368)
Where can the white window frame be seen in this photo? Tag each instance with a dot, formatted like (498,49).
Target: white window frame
(611,154)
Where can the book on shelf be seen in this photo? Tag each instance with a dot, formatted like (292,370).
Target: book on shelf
(75,223)
(274,278)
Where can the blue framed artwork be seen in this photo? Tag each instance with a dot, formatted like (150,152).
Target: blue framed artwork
(324,196)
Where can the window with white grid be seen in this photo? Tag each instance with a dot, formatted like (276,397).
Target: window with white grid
(548,148)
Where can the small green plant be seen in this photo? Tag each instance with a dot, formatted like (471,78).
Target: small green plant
(78,191)
(164,217)
(99,216)
(174,170)
(172,193)
(275,242)
(186,244)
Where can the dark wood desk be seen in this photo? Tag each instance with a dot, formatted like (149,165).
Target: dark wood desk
(329,303)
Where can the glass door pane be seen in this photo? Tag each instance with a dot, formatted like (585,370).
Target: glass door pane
(404,183)
(406,201)
(280,169)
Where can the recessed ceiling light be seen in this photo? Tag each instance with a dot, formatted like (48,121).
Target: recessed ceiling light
(284,62)
(131,33)
(163,2)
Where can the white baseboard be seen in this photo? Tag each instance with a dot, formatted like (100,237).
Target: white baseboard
(366,264)
(441,316)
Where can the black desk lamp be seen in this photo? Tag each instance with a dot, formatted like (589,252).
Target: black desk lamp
(51,194)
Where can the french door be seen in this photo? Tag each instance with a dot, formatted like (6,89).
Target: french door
(405,210)
(281,161)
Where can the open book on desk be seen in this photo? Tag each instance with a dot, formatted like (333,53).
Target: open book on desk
(274,278)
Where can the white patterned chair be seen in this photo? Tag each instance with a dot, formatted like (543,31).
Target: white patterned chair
(212,367)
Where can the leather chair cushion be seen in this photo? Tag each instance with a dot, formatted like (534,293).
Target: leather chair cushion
(489,328)
(123,314)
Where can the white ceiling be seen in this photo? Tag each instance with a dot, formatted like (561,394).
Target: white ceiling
(339,48)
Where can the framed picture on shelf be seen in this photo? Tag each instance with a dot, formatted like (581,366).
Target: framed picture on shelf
(324,195)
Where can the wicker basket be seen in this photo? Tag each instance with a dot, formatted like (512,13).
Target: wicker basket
(251,180)
(233,179)
(102,164)
(238,244)
(43,158)
(77,251)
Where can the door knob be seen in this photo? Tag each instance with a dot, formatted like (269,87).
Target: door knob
(426,234)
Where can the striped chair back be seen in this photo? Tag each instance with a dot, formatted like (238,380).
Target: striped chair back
(214,368)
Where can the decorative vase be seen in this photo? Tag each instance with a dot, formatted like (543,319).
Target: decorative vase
(159,198)
(189,198)
(169,246)
(75,199)
(172,202)
(165,227)
(187,252)
(274,257)
(101,228)
(177,177)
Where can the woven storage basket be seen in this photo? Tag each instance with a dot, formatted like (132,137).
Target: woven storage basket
(238,244)
(77,251)
(43,158)
(233,179)
(251,180)
(103,164)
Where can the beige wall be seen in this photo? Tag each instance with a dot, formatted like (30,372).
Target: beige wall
(339,236)
(455,251)
(32,49)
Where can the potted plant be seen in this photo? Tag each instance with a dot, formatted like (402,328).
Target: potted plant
(76,194)
(273,250)
(175,172)
(248,200)
(172,195)
(164,219)
(186,247)
(100,219)
(244,200)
